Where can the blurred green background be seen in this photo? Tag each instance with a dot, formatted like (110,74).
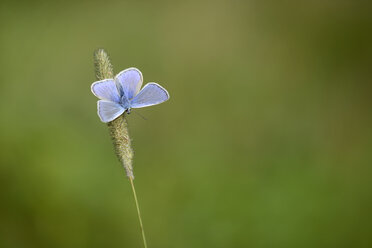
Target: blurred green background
(265,142)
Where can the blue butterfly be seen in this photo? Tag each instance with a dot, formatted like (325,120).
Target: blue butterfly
(122,93)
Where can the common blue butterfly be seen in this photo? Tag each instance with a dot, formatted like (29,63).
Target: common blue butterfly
(122,93)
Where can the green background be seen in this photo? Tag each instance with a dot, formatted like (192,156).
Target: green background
(265,142)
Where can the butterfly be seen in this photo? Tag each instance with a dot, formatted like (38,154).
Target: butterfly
(122,93)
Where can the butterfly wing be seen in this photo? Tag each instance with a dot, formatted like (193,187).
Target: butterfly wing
(106,90)
(129,82)
(151,94)
(109,111)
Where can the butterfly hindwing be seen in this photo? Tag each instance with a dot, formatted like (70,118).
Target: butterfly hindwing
(106,90)
(129,82)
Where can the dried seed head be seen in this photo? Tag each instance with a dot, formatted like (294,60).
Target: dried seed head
(103,65)
(119,127)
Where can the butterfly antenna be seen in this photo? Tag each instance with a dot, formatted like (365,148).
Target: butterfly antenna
(140,115)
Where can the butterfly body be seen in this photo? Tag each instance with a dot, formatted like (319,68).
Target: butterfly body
(125,103)
(122,93)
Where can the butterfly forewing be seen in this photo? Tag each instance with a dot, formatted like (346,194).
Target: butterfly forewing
(151,94)
(109,111)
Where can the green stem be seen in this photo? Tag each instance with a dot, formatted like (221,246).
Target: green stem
(138,212)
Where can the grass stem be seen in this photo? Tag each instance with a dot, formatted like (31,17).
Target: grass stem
(138,212)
